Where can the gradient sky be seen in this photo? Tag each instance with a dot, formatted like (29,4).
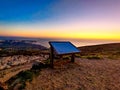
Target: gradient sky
(83,19)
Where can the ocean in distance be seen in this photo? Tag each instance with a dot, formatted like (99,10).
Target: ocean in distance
(76,42)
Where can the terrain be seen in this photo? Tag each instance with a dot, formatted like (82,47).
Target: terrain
(103,51)
(97,67)
(19,47)
(81,75)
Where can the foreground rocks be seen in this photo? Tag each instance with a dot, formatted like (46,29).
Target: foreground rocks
(10,61)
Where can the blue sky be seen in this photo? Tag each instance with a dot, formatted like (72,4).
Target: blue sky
(71,18)
(24,10)
(40,10)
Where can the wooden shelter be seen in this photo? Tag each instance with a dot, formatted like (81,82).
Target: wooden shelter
(62,48)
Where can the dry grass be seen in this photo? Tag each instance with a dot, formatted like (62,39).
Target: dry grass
(103,51)
(81,75)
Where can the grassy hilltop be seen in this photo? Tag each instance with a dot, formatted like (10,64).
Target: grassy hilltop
(103,51)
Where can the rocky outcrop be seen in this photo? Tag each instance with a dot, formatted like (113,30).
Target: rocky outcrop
(10,61)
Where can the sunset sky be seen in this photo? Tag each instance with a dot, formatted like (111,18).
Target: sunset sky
(82,19)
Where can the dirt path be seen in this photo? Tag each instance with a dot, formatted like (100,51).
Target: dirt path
(81,75)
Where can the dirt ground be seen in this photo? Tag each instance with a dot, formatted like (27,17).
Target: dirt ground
(82,75)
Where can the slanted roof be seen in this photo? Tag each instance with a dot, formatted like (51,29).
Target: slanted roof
(64,47)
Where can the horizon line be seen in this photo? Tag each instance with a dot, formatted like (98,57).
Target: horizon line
(59,38)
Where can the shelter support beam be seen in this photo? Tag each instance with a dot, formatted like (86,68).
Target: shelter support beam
(73,58)
(51,57)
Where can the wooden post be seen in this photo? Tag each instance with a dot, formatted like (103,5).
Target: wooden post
(72,58)
(51,57)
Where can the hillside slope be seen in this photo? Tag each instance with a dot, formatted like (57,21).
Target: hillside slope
(101,48)
(81,75)
(97,68)
(103,51)
(84,74)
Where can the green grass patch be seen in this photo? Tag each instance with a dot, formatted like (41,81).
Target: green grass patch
(92,57)
(66,57)
(78,55)
(22,77)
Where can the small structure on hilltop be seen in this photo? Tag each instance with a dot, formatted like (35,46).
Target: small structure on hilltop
(62,48)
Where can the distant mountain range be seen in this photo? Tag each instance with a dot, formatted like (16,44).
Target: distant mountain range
(19,44)
(14,38)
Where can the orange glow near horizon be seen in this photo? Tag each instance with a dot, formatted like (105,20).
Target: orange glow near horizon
(63,34)
(78,30)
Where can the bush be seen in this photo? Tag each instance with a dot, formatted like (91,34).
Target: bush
(26,75)
(66,57)
(23,76)
(38,66)
(21,79)
(47,62)
(78,55)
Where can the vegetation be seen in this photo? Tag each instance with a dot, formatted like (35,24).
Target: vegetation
(12,47)
(47,62)
(19,81)
(30,52)
(66,57)
(105,51)
(93,57)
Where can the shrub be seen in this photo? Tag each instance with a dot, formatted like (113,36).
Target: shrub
(26,75)
(23,76)
(66,57)
(20,78)
(38,66)
(47,62)
(78,55)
